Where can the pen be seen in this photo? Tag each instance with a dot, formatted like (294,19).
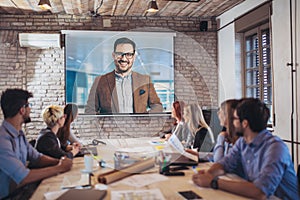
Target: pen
(77,187)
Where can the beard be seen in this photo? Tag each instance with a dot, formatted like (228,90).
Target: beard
(26,119)
(120,70)
(239,133)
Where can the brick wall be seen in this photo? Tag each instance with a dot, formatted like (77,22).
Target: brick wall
(41,71)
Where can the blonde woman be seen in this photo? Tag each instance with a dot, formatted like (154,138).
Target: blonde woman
(47,142)
(201,136)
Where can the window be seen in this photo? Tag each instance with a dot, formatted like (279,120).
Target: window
(257,65)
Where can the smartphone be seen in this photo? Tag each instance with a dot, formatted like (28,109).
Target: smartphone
(189,195)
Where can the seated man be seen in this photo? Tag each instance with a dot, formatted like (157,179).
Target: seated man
(16,151)
(259,157)
(122,90)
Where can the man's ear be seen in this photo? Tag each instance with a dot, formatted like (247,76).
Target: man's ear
(22,110)
(245,123)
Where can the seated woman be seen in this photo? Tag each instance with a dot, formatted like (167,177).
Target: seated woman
(47,142)
(227,136)
(201,136)
(179,128)
(65,135)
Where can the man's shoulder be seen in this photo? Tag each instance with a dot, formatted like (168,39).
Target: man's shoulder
(108,74)
(105,77)
(273,143)
(271,138)
(112,73)
(5,138)
(2,131)
(137,74)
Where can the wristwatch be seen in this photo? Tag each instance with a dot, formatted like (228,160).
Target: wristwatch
(214,183)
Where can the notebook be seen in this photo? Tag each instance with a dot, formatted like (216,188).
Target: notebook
(179,159)
(90,194)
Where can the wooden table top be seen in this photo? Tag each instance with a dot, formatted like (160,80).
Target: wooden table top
(169,187)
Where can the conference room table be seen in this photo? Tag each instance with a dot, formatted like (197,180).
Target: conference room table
(167,186)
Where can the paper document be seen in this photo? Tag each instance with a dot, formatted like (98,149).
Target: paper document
(177,145)
(152,194)
(74,181)
(142,180)
(144,149)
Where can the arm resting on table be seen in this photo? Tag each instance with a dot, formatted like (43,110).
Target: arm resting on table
(34,175)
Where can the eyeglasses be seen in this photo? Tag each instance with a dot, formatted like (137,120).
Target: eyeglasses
(28,105)
(128,55)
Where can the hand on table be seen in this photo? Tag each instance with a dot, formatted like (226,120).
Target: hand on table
(192,152)
(75,148)
(167,136)
(65,164)
(203,178)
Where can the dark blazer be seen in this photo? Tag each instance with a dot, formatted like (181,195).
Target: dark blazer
(103,97)
(47,143)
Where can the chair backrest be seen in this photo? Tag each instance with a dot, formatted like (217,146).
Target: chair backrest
(32,142)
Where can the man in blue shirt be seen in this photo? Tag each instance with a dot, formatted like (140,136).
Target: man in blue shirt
(15,151)
(263,158)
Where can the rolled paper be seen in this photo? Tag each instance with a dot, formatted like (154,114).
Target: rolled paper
(135,168)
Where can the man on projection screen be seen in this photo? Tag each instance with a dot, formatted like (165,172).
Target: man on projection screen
(123,90)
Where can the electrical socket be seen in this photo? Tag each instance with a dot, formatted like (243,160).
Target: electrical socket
(106,23)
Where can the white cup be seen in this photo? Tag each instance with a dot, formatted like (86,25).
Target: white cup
(88,162)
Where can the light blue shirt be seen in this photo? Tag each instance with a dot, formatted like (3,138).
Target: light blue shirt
(222,148)
(266,162)
(124,92)
(14,152)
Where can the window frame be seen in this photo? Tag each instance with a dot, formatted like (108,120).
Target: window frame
(258,30)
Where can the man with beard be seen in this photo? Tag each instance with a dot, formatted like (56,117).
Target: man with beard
(122,90)
(259,157)
(16,179)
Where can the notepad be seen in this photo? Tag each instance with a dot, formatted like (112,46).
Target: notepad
(90,194)
(177,145)
(179,159)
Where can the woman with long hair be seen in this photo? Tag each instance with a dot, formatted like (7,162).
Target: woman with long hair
(227,136)
(178,128)
(65,135)
(201,135)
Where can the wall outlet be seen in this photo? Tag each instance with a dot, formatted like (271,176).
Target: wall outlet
(106,23)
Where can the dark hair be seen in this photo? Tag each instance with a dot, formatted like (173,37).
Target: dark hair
(123,40)
(178,107)
(70,110)
(255,112)
(12,100)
